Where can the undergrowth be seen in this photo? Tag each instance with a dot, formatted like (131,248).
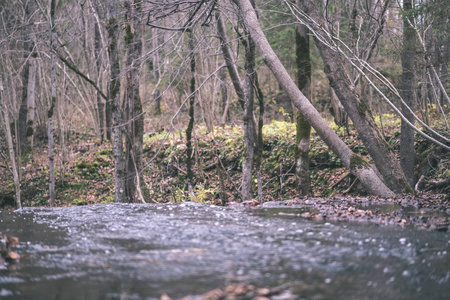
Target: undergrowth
(89,175)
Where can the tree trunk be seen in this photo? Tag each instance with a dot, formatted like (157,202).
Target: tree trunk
(190,127)
(107,114)
(360,168)
(133,108)
(31,101)
(303,133)
(138,113)
(23,110)
(108,118)
(10,143)
(224,95)
(249,130)
(408,93)
(260,142)
(114,99)
(337,110)
(98,64)
(61,129)
(229,60)
(359,112)
(156,72)
(51,144)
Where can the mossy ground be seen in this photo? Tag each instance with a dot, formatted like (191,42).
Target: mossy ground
(88,175)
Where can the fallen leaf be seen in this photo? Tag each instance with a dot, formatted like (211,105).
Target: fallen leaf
(263,291)
(165,297)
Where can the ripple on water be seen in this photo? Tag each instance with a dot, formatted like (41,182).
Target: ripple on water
(186,248)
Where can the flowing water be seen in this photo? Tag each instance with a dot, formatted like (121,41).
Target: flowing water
(135,251)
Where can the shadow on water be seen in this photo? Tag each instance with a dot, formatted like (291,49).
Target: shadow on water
(127,251)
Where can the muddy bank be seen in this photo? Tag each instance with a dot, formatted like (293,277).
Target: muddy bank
(428,212)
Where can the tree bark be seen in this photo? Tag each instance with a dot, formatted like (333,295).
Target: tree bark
(156,71)
(12,156)
(98,64)
(360,168)
(408,93)
(23,110)
(138,114)
(249,130)
(51,144)
(358,110)
(337,110)
(229,60)
(114,99)
(224,95)
(97,9)
(190,127)
(260,142)
(31,101)
(134,183)
(303,133)
(245,94)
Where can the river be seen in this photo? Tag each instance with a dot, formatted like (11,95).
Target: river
(140,251)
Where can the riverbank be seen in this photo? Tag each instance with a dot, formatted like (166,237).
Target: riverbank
(85,175)
(428,211)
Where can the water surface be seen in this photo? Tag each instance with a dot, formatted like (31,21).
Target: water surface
(135,251)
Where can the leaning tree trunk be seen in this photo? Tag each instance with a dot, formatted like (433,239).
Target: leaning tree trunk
(358,166)
(114,99)
(358,110)
(229,59)
(407,153)
(303,133)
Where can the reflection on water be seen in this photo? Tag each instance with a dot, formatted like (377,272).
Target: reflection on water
(130,251)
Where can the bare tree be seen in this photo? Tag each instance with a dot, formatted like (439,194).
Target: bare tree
(245,93)
(358,110)
(353,162)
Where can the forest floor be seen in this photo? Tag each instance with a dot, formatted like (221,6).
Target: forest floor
(86,176)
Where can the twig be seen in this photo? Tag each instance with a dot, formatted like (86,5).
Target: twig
(351,186)
(416,187)
(340,180)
